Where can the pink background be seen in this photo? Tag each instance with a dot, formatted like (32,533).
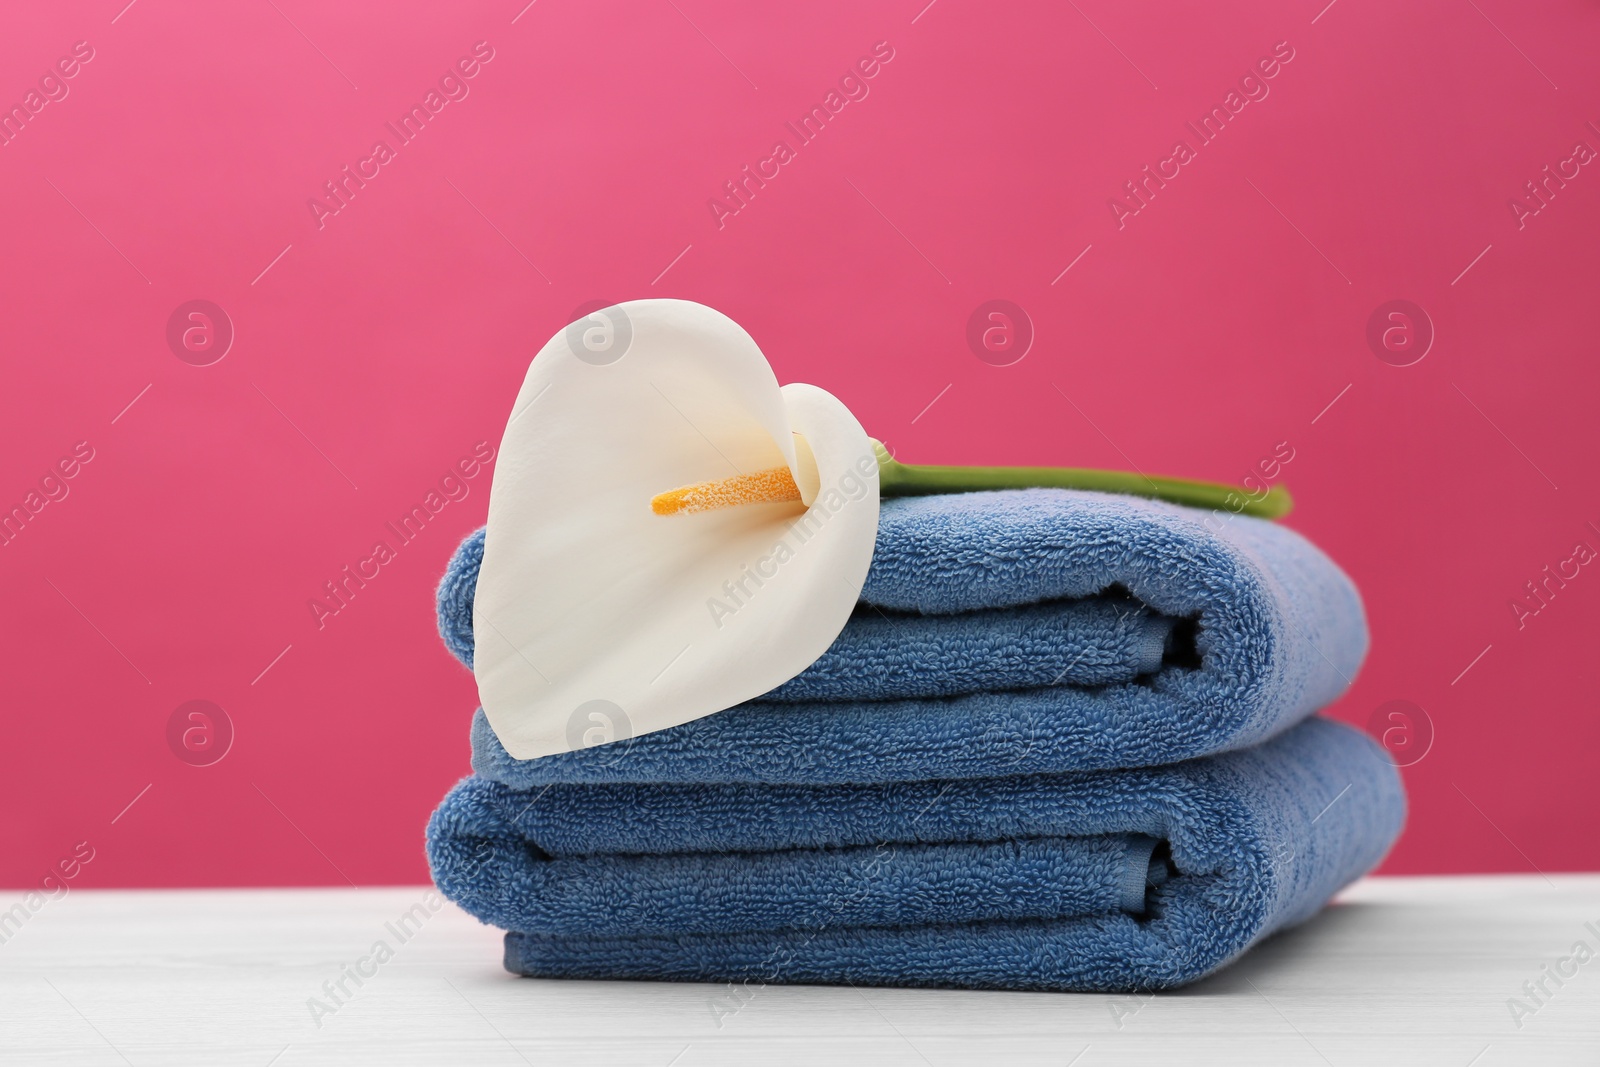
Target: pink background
(372,353)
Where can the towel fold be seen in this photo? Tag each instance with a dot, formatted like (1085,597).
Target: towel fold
(1108,880)
(1016,632)
(885,653)
(510,882)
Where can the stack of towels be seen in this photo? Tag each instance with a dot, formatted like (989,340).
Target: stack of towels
(1066,742)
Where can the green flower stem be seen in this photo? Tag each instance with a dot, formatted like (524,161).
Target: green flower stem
(904,479)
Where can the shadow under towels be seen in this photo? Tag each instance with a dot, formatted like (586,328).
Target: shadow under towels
(1012,632)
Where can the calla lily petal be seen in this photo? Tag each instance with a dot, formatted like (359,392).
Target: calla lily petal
(598,618)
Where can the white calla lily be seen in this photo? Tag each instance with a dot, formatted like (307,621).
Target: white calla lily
(618,595)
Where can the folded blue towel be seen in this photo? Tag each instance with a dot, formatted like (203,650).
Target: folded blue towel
(1023,882)
(1017,632)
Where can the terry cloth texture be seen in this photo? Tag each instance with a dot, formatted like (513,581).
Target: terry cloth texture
(1007,633)
(1019,882)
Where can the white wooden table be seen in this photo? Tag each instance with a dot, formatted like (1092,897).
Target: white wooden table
(1414,971)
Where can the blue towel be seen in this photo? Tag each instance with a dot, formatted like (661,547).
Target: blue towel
(1051,882)
(1143,633)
